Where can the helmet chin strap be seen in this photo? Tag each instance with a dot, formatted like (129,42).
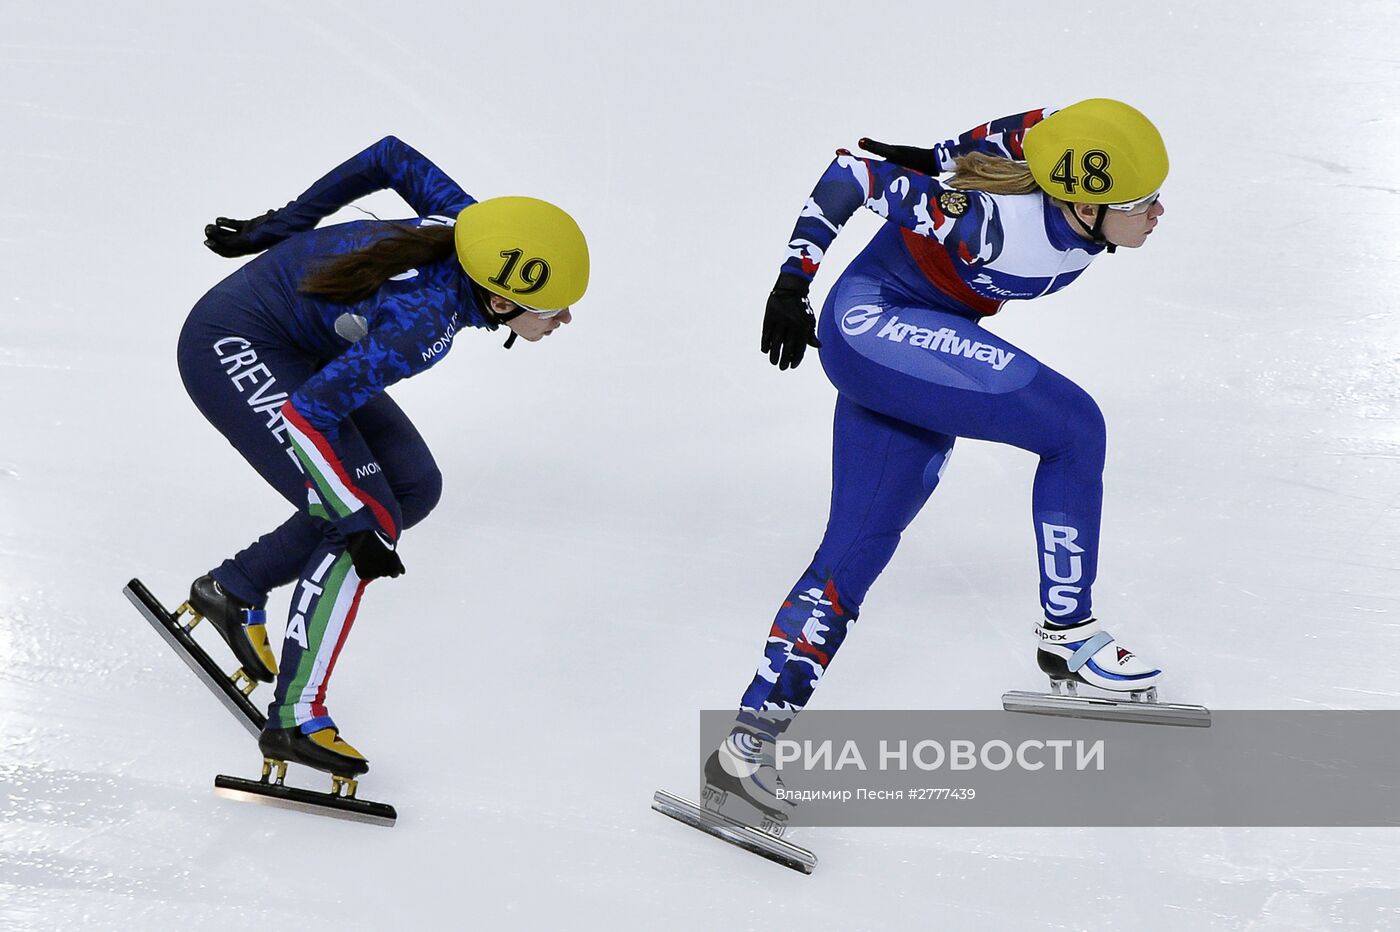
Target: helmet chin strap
(1096,231)
(505,318)
(484,298)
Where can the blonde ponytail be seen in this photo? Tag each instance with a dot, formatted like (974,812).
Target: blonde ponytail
(978,171)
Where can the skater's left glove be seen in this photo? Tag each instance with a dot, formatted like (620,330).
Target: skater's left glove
(373,555)
(789,326)
(234,238)
(921,160)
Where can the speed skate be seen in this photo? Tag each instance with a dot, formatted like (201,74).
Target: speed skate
(740,780)
(760,841)
(1085,654)
(231,689)
(324,752)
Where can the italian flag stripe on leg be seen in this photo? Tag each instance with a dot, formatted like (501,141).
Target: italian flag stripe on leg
(328,473)
(318,703)
(323,630)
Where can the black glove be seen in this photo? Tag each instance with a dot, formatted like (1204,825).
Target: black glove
(921,160)
(789,326)
(233,238)
(373,555)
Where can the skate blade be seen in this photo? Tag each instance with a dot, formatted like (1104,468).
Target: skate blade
(736,833)
(1107,710)
(233,698)
(290,797)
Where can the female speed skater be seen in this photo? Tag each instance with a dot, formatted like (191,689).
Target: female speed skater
(289,358)
(1032,200)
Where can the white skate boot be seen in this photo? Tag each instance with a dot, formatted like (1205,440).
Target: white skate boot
(743,767)
(1085,653)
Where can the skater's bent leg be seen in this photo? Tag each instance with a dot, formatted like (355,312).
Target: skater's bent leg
(945,373)
(882,473)
(273,560)
(239,383)
(278,558)
(1057,420)
(412,474)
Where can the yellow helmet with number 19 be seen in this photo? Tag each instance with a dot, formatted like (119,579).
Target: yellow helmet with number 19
(523,249)
(1097,151)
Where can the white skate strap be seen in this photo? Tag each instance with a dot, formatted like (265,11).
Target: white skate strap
(1092,635)
(1088,649)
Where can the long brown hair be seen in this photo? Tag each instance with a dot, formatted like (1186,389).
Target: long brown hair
(979,171)
(356,275)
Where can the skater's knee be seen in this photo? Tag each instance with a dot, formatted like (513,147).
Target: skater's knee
(385,518)
(1083,434)
(855,571)
(420,497)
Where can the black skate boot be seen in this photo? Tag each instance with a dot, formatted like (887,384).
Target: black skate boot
(240,625)
(321,750)
(231,689)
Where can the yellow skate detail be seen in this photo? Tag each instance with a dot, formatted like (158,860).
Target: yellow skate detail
(330,739)
(257,636)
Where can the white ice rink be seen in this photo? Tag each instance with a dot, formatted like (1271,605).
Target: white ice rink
(626,503)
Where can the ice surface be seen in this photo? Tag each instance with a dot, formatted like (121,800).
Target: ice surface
(626,503)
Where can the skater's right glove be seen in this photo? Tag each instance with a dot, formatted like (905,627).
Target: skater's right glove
(234,238)
(921,160)
(373,555)
(788,324)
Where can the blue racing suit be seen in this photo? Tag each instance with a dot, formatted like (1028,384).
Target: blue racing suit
(296,383)
(914,369)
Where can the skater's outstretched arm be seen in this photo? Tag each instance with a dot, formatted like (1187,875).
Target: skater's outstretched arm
(965,220)
(400,345)
(388,164)
(1001,138)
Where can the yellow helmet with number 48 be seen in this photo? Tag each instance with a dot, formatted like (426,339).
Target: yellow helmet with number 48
(523,249)
(1097,151)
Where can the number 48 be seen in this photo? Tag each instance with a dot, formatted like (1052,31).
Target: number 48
(1096,179)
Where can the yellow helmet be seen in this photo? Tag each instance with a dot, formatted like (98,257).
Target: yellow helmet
(523,249)
(1097,151)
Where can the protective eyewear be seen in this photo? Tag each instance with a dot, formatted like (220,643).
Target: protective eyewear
(1138,206)
(524,309)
